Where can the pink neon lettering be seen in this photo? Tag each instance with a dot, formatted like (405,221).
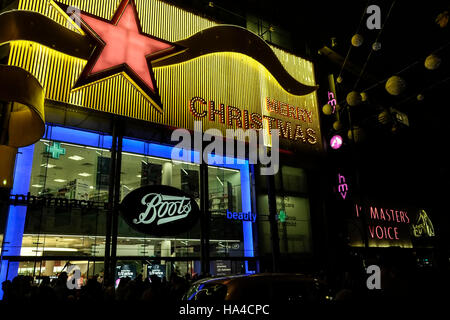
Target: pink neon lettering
(389,232)
(342,187)
(371,230)
(382,214)
(376,231)
(383,232)
(373,213)
(396,233)
(331,100)
(406,216)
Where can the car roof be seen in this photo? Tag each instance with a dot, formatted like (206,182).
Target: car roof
(230,278)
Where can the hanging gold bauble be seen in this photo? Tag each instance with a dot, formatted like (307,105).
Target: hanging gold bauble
(354,98)
(432,62)
(363,96)
(395,85)
(442,19)
(376,46)
(337,125)
(357,40)
(327,109)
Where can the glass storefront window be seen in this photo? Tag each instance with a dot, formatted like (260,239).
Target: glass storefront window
(68,189)
(225,204)
(68,171)
(69,185)
(140,170)
(150,268)
(292,204)
(51,268)
(294,179)
(294,232)
(67,205)
(141,167)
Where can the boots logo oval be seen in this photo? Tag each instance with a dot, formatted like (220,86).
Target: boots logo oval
(159,210)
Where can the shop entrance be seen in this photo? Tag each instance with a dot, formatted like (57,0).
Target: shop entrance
(57,216)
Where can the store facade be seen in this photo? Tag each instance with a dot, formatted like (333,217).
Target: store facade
(369,226)
(111,108)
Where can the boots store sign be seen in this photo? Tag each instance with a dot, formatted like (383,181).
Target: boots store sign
(160,210)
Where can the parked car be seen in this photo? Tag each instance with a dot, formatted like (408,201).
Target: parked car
(277,287)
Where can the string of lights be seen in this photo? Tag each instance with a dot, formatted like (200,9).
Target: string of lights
(373,49)
(422,91)
(405,68)
(350,47)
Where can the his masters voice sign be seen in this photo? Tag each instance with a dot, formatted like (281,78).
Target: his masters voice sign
(159,210)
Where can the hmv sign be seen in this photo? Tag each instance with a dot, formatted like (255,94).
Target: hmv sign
(160,210)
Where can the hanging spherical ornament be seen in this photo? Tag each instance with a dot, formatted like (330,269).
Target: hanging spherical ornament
(442,19)
(356,134)
(432,62)
(363,96)
(395,85)
(384,117)
(337,125)
(354,98)
(339,79)
(420,97)
(338,107)
(357,40)
(376,46)
(327,109)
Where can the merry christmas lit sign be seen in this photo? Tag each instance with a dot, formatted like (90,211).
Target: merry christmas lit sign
(292,122)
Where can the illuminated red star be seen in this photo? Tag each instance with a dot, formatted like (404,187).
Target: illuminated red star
(121,47)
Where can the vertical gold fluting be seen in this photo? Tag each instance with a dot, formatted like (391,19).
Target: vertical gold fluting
(232,79)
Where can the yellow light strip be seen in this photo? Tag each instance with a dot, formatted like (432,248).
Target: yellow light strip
(301,69)
(157,18)
(168,22)
(69,21)
(58,72)
(103,8)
